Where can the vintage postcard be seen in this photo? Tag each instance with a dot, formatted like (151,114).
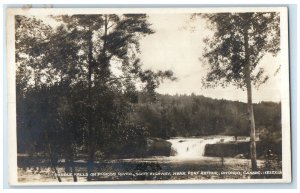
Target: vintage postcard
(148,96)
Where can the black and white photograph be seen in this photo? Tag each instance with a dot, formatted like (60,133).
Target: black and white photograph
(148,96)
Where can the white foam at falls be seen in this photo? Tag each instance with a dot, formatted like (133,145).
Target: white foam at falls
(194,147)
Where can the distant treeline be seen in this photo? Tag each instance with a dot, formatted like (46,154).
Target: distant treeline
(167,116)
(192,115)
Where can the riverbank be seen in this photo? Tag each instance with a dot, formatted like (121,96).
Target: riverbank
(159,168)
(173,159)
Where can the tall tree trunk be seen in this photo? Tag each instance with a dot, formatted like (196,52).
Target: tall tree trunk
(67,131)
(70,164)
(103,59)
(247,72)
(92,69)
(53,166)
(91,148)
(73,170)
(53,163)
(105,34)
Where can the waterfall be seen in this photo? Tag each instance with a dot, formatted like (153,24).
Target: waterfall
(188,148)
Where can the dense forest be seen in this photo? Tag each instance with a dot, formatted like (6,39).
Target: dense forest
(167,116)
(193,115)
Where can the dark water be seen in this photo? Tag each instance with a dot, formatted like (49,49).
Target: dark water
(187,162)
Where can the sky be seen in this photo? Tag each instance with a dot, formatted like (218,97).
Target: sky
(177,45)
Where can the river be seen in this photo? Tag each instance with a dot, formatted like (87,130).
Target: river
(187,154)
(187,149)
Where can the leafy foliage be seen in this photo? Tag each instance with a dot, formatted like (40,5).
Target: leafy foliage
(225,51)
(192,115)
(68,95)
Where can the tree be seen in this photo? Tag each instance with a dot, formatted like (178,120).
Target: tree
(239,43)
(71,64)
(108,39)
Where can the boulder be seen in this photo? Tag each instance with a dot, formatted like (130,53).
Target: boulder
(241,149)
(230,149)
(158,147)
